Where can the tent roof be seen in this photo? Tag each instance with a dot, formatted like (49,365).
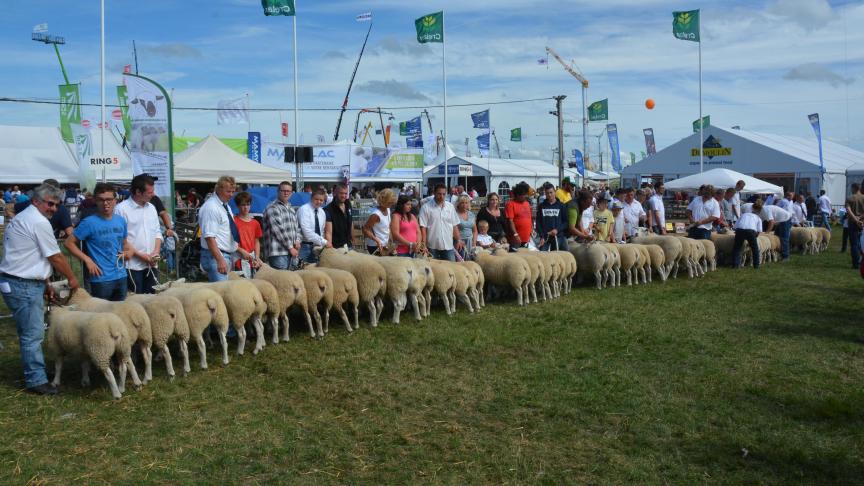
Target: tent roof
(515,167)
(29,155)
(209,159)
(836,157)
(723,179)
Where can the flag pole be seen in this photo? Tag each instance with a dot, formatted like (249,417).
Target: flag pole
(701,121)
(299,174)
(102,85)
(444,75)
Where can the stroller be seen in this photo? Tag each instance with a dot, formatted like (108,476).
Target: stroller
(189,262)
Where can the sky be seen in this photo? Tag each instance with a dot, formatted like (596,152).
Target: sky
(766,65)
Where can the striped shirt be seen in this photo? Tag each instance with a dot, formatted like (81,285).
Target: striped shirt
(281,230)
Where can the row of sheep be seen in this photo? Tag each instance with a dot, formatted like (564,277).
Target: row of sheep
(804,240)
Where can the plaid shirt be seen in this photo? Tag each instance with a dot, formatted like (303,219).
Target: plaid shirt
(281,229)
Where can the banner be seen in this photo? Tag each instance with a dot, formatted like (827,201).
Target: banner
(123,101)
(149,138)
(232,111)
(483,144)
(516,135)
(284,129)
(40,28)
(365,17)
(278,7)
(430,28)
(706,121)
(410,127)
(685,25)
(414,141)
(480,119)
(70,110)
(83,150)
(814,122)
(612,131)
(650,147)
(599,110)
(580,162)
(253,146)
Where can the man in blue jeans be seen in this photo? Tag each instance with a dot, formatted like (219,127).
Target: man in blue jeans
(855,221)
(779,220)
(219,233)
(439,226)
(104,235)
(30,252)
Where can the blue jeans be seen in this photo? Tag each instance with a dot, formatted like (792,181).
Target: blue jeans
(114,290)
(855,244)
(281,262)
(782,230)
(698,233)
(211,266)
(307,254)
(443,255)
(142,281)
(25,302)
(749,236)
(826,220)
(550,245)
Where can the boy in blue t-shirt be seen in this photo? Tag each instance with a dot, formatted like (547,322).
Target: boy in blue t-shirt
(105,238)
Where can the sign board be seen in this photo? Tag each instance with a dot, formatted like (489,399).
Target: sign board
(466,170)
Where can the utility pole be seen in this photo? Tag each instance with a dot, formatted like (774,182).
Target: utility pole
(559,103)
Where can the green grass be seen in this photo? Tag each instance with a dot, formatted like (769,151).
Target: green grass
(666,383)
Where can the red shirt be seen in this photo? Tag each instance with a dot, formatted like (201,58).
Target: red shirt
(250,232)
(520,214)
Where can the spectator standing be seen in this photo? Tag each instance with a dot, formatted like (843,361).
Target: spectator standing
(61,220)
(747,229)
(494,217)
(801,208)
(249,230)
(143,235)
(580,216)
(30,252)
(811,205)
(727,208)
(312,220)
(702,212)
(377,227)
(281,231)
(736,199)
(439,231)
(634,214)
(467,225)
(518,212)
(825,209)
(564,194)
(339,226)
(780,221)
(618,227)
(219,232)
(604,220)
(404,228)
(192,199)
(656,211)
(552,221)
(104,235)
(855,220)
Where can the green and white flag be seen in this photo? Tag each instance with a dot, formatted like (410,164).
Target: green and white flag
(685,25)
(278,7)
(70,110)
(430,28)
(123,101)
(706,121)
(516,135)
(599,110)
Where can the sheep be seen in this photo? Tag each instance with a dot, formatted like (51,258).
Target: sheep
(424,283)
(554,269)
(167,319)
(692,254)
(672,250)
(371,276)
(344,291)
(203,307)
(272,305)
(657,261)
(612,269)
(591,259)
(444,284)
(504,271)
(479,282)
(774,246)
(319,290)
(92,337)
(724,244)
(569,269)
(800,239)
(824,238)
(133,316)
(765,250)
(291,291)
(630,263)
(710,255)
(465,283)
(538,271)
(400,275)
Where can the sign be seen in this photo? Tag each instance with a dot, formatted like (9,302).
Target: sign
(466,170)
(712,148)
(253,144)
(685,25)
(580,162)
(83,150)
(104,160)
(329,161)
(278,7)
(612,131)
(599,110)
(149,137)
(430,28)
(814,122)
(70,109)
(650,146)
(706,121)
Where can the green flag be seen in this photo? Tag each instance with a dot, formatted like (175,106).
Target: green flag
(632,158)
(123,101)
(516,135)
(278,7)
(430,28)
(706,121)
(403,129)
(599,110)
(685,25)
(70,110)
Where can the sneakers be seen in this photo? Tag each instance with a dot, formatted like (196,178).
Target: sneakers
(43,389)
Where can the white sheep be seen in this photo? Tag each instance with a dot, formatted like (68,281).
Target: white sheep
(344,292)
(710,262)
(91,337)
(538,271)
(657,260)
(465,283)
(167,319)
(444,285)
(319,290)
(400,274)
(203,307)
(672,250)
(570,268)
(592,260)
(291,290)
(479,282)
(271,307)
(629,261)
(505,272)
(371,276)
(644,264)
(426,276)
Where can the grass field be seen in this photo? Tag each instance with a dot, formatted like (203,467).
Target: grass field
(739,377)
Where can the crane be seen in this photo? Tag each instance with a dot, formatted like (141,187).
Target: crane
(584,82)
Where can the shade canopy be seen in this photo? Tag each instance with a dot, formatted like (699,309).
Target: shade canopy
(723,179)
(209,159)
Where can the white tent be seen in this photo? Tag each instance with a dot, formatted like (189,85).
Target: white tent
(209,159)
(723,179)
(29,155)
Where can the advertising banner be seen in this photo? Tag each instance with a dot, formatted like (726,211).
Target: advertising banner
(580,162)
(70,110)
(149,138)
(612,130)
(83,151)
(331,161)
(253,146)
(650,146)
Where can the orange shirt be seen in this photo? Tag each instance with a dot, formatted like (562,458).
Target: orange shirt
(250,231)
(520,214)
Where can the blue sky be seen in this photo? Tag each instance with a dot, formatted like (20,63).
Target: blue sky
(766,64)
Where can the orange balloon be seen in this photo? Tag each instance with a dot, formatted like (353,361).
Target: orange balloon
(649,103)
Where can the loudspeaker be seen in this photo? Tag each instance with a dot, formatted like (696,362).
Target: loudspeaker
(302,154)
(289,154)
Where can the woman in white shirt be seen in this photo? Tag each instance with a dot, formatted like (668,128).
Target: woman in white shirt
(747,228)
(377,227)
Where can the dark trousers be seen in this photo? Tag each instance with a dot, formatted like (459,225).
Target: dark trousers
(855,244)
(845,240)
(783,231)
(742,235)
(113,290)
(142,281)
(698,233)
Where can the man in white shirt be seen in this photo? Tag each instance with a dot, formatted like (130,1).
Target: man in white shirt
(143,234)
(780,221)
(30,252)
(633,212)
(656,212)
(825,209)
(312,220)
(747,229)
(786,202)
(798,210)
(219,233)
(702,212)
(736,199)
(439,226)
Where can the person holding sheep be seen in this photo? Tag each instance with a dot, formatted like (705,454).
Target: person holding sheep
(249,230)
(377,227)
(702,212)
(439,226)
(30,251)
(219,233)
(312,220)
(281,231)
(552,221)
(104,235)
(747,229)
(143,234)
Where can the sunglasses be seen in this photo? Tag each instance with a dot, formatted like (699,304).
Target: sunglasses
(50,204)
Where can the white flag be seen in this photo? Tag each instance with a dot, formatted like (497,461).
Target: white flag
(364,17)
(232,111)
(40,28)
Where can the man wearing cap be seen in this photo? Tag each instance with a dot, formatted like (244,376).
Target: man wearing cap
(565,193)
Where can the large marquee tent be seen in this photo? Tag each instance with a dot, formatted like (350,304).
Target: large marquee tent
(209,159)
(723,179)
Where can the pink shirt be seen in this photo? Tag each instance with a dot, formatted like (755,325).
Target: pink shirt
(407,230)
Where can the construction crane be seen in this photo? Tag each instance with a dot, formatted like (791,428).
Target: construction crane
(570,68)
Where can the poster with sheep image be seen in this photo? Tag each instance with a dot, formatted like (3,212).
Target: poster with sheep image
(149,137)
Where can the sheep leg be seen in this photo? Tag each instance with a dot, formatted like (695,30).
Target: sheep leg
(548,290)
(136,382)
(317,317)
(379,303)
(465,300)
(412,297)
(421,301)
(397,309)
(356,316)
(427,296)
(85,373)
(184,351)
(481,296)
(241,339)
(533,289)
(109,377)
(373,313)
(147,354)
(326,323)
(276,321)
(259,335)
(345,319)
(519,296)
(599,279)
(58,368)
(121,373)
(629,277)
(202,351)
(642,274)
(223,340)
(169,365)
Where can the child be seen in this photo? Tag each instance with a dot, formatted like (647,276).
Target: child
(618,227)
(604,220)
(249,229)
(483,238)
